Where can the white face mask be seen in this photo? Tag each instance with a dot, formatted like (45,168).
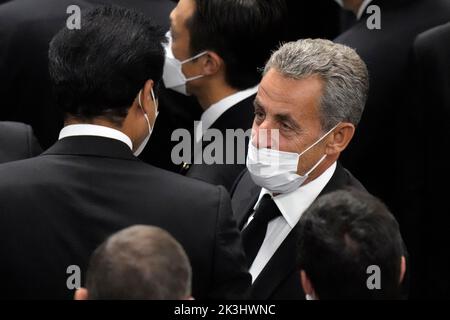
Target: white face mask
(173,75)
(276,170)
(150,129)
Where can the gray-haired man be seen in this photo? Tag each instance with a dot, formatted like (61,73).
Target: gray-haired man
(138,263)
(307,108)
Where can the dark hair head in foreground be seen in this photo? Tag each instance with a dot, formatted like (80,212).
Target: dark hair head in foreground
(98,70)
(139,263)
(341,235)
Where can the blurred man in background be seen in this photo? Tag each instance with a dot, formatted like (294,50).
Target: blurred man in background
(217,50)
(17,142)
(390,129)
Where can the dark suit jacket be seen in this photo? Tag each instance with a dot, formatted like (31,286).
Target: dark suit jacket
(17,142)
(377,152)
(280,279)
(239,116)
(26,29)
(57,208)
(431,107)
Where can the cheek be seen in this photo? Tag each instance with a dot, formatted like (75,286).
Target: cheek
(177,50)
(288,145)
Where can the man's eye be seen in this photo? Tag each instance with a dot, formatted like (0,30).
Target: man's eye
(285,126)
(259,114)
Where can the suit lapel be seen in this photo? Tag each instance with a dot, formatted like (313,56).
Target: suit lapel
(279,267)
(244,199)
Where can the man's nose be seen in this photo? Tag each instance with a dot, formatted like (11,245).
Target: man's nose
(265,136)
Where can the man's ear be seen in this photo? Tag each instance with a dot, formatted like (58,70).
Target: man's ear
(81,294)
(402,269)
(340,138)
(212,64)
(146,97)
(306,283)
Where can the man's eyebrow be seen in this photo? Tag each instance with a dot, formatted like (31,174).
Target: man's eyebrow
(257,104)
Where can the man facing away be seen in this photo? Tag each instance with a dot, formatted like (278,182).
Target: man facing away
(57,208)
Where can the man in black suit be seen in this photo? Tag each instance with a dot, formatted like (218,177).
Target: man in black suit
(309,102)
(379,150)
(57,208)
(222,45)
(430,108)
(26,28)
(17,142)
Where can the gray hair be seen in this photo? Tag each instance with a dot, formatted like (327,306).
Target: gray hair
(340,67)
(139,263)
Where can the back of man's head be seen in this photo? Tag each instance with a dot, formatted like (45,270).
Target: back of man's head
(98,70)
(346,237)
(242,32)
(139,263)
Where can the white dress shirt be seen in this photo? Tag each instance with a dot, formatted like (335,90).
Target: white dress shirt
(363,8)
(291,206)
(214,112)
(95,130)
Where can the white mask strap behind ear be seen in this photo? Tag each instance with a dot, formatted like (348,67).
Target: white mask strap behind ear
(156,104)
(154,101)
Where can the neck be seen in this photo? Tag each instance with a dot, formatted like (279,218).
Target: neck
(96,121)
(99,121)
(213,93)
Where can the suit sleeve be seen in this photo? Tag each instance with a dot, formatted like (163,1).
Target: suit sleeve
(231,279)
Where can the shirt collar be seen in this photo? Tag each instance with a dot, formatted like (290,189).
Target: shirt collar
(217,109)
(362,8)
(292,205)
(94,130)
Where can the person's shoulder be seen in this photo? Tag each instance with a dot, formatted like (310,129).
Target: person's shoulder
(352,181)
(432,38)
(20,174)
(177,182)
(13,128)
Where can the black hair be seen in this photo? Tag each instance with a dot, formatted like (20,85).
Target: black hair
(98,70)
(242,32)
(341,235)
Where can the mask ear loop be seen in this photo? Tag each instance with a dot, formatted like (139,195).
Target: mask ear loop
(194,57)
(314,144)
(145,113)
(156,103)
(318,141)
(191,59)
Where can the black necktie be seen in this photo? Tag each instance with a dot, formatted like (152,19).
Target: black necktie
(253,235)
